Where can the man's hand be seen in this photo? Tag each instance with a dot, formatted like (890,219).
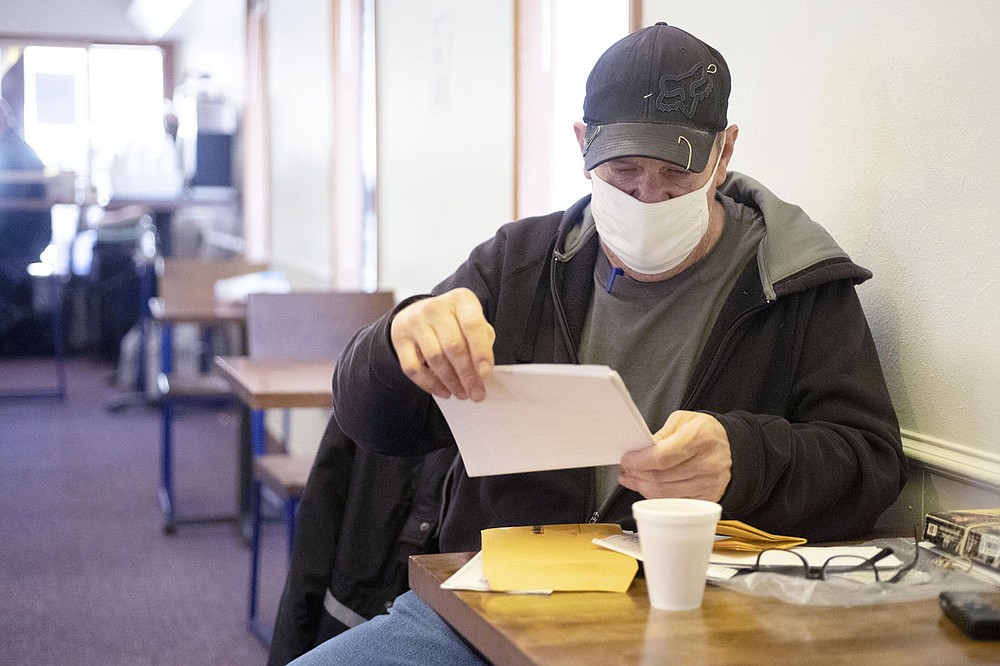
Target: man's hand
(691,458)
(445,345)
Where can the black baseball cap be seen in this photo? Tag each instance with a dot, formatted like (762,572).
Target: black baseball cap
(660,92)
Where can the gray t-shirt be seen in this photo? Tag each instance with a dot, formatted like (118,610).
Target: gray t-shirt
(652,333)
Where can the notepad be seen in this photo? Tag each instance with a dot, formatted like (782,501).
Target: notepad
(546,416)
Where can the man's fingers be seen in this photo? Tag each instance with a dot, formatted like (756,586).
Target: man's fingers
(691,458)
(445,358)
(461,345)
(479,335)
(412,364)
(473,352)
(445,345)
(438,346)
(664,454)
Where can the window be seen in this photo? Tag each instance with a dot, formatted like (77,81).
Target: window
(89,107)
(56,113)
(558,43)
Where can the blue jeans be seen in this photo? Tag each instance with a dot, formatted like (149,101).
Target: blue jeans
(412,634)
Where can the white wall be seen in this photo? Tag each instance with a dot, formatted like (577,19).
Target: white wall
(445,134)
(300,106)
(879,119)
(211,38)
(66,18)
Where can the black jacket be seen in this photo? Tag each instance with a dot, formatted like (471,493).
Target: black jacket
(361,516)
(790,369)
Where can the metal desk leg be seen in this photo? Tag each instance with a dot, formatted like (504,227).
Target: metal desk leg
(166,441)
(252,443)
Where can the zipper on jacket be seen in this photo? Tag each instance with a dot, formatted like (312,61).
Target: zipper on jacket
(603,509)
(558,307)
(697,382)
(445,492)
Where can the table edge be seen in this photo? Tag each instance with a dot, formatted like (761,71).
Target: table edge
(474,628)
(261,401)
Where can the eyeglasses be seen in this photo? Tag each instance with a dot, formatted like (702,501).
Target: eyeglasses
(791,563)
(846,567)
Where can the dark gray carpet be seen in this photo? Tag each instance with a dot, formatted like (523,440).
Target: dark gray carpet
(87,575)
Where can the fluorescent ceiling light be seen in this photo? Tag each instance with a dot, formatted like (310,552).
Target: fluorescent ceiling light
(153,18)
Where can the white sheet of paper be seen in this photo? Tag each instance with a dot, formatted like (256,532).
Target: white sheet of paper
(470,577)
(546,416)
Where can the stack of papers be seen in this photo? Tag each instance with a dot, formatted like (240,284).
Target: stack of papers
(546,416)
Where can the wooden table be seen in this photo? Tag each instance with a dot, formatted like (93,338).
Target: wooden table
(275,383)
(35,205)
(163,210)
(264,384)
(168,313)
(186,295)
(208,314)
(278,383)
(729,628)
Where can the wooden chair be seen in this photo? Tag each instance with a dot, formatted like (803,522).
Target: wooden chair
(186,294)
(298,326)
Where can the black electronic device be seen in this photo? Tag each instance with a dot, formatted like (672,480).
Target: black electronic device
(975,613)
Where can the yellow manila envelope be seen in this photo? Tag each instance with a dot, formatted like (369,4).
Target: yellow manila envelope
(745,538)
(555,557)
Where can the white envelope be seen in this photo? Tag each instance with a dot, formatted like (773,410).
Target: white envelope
(546,416)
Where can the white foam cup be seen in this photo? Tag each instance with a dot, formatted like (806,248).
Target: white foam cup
(676,537)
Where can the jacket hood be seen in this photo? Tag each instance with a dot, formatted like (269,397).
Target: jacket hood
(575,230)
(795,254)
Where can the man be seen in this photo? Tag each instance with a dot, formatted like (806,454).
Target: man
(23,233)
(730,315)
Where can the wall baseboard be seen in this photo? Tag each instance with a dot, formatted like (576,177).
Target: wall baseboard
(962,463)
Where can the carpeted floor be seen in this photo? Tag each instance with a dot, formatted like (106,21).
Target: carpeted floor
(87,575)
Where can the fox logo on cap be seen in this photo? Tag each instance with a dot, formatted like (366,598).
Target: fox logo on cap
(659,92)
(682,92)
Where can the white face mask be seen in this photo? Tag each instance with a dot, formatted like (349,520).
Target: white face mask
(650,238)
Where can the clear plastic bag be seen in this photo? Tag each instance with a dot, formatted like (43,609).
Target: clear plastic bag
(925,580)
